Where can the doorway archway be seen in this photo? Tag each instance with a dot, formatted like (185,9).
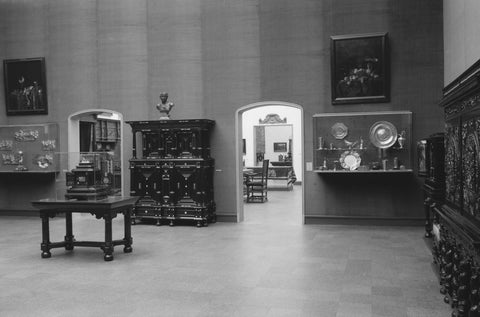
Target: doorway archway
(239,152)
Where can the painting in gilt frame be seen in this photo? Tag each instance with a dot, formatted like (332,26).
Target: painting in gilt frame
(359,68)
(25,86)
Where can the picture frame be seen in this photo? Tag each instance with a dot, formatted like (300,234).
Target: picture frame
(280,147)
(422,161)
(25,86)
(360,68)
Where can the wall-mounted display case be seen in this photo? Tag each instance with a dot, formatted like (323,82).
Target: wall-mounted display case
(362,142)
(29,148)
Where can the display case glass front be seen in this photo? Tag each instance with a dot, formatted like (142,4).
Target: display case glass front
(373,142)
(29,148)
(85,175)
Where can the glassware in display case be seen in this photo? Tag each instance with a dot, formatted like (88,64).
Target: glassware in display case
(362,142)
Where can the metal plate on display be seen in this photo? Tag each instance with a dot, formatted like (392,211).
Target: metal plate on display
(339,130)
(383,134)
(350,160)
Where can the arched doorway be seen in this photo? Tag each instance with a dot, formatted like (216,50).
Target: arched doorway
(298,140)
(76,123)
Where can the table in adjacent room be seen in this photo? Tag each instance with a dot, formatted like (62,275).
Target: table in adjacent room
(107,209)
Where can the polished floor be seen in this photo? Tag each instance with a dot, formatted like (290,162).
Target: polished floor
(268,265)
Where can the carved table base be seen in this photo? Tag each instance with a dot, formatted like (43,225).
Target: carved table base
(106,208)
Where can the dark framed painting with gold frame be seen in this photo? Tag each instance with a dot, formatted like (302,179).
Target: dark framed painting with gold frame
(359,68)
(25,86)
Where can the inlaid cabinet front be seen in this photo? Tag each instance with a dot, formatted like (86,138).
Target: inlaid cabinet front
(172,171)
(456,227)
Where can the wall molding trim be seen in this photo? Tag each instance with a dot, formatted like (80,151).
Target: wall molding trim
(367,221)
(226,217)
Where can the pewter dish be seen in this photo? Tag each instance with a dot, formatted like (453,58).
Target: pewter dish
(383,134)
(339,130)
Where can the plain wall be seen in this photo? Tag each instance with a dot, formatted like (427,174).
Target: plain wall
(461,36)
(215,56)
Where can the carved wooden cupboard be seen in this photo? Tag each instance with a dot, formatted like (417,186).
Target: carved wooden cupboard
(456,227)
(172,171)
(432,166)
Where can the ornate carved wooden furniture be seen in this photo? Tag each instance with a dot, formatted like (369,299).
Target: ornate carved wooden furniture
(107,209)
(456,230)
(434,185)
(257,185)
(279,177)
(172,171)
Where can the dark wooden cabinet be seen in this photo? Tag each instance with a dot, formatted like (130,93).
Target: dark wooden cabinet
(456,221)
(434,185)
(171,170)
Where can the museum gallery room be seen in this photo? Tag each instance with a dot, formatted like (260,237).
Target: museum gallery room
(240,158)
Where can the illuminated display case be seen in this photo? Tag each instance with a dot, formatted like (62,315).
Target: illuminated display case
(362,142)
(29,148)
(85,175)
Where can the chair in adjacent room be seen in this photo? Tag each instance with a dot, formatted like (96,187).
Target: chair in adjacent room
(257,185)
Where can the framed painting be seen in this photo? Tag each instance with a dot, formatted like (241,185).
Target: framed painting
(25,86)
(359,68)
(280,147)
(422,157)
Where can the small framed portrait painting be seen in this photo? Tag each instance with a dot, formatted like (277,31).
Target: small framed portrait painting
(25,86)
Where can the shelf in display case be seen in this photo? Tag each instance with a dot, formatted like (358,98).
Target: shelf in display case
(28,172)
(373,142)
(343,171)
(356,149)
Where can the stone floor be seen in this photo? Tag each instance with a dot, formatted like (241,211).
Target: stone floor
(268,265)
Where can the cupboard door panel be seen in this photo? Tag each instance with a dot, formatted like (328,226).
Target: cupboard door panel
(471,167)
(452,165)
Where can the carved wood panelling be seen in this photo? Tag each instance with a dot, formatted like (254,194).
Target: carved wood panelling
(470,166)
(452,165)
(461,107)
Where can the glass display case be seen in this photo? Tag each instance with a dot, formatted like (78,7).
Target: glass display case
(29,148)
(362,142)
(85,175)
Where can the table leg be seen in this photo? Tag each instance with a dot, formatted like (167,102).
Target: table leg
(45,246)
(69,232)
(108,248)
(128,230)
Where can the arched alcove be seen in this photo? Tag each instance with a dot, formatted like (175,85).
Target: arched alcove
(74,133)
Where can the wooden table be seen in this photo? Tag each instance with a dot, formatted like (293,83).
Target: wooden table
(247,173)
(107,209)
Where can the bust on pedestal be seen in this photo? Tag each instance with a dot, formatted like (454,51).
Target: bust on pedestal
(164,107)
